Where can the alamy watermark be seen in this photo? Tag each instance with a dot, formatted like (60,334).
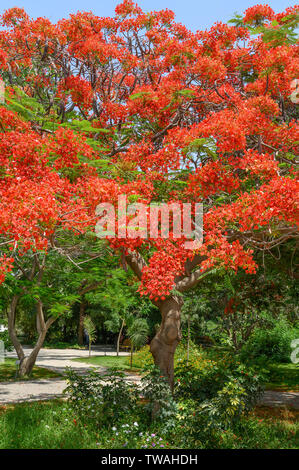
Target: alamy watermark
(294,97)
(2,92)
(2,352)
(139,220)
(295,353)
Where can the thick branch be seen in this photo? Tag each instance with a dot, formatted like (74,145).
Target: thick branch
(191,281)
(11,316)
(136,263)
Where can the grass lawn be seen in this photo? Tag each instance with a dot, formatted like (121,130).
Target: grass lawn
(120,362)
(283,377)
(62,345)
(52,425)
(8,372)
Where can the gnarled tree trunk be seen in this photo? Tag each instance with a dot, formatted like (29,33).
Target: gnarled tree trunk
(165,342)
(27,363)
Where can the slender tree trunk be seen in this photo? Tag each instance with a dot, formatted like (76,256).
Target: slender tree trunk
(119,336)
(165,342)
(81,322)
(131,358)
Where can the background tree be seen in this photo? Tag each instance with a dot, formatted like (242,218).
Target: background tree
(34,285)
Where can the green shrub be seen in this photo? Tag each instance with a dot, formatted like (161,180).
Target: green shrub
(160,403)
(101,399)
(211,396)
(271,345)
(144,359)
(222,411)
(204,425)
(204,378)
(4,336)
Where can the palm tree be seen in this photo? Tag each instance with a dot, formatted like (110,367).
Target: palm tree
(138,333)
(91,331)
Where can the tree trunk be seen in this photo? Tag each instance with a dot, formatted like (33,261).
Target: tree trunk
(26,364)
(11,317)
(131,356)
(119,336)
(81,322)
(165,342)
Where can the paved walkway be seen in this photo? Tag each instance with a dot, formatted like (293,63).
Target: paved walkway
(45,389)
(58,359)
(274,399)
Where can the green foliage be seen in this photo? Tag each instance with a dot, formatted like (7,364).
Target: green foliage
(283,377)
(54,425)
(281,34)
(83,126)
(144,359)
(228,307)
(203,147)
(275,33)
(204,424)
(101,399)
(90,328)
(27,107)
(160,402)
(203,378)
(138,332)
(62,345)
(4,336)
(271,344)
(141,94)
(227,407)
(91,331)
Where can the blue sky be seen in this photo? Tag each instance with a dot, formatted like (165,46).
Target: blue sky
(195,14)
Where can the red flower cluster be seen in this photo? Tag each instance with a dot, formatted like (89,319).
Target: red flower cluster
(258,13)
(79,90)
(139,105)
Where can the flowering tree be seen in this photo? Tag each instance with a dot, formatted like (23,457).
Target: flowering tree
(139,105)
